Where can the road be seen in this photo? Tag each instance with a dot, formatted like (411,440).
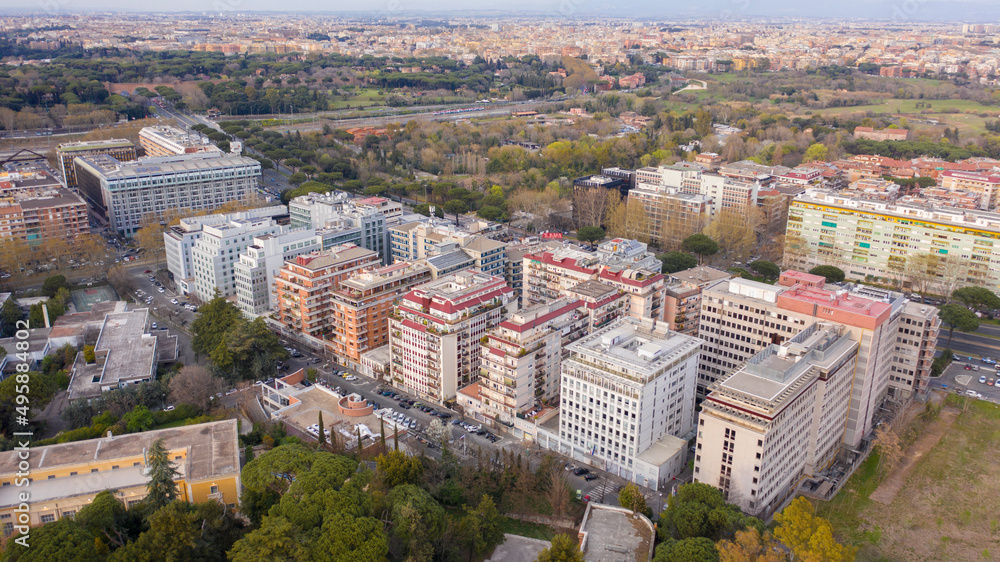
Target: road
(976,344)
(174,317)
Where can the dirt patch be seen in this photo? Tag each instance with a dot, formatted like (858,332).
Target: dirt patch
(890,487)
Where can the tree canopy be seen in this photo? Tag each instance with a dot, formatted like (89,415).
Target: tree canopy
(957,316)
(677,261)
(832,273)
(700,244)
(977,297)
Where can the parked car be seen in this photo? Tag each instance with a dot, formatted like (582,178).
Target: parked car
(581,471)
(169,408)
(590,477)
(982,379)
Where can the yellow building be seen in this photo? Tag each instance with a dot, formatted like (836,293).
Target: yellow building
(61,479)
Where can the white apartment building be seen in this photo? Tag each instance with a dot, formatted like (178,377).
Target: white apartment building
(778,419)
(426,239)
(179,240)
(877,239)
(627,398)
(916,340)
(724,192)
(435,331)
(216,253)
(260,263)
(342,220)
(126,193)
(522,355)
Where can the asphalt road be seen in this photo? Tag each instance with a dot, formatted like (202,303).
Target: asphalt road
(977,344)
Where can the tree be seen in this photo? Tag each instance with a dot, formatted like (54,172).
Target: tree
(182,531)
(61,540)
(831,273)
(424,209)
(490,213)
(735,232)
(395,468)
(889,450)
(194,385)
(977,298)
(768,269)
(677,261)
(695,549)
(922,270)
(589,205)
(590,234)
(700,510)
(214,319)
(161,486)
(700,244)
(816,152)
(456,207)
(139,419)
(565,548)
(10,313)
(150,239)
(630,497)
(809,537)
(750,545)
(486,526)
(53,283)
(957,316)
(321,436)
(626,218)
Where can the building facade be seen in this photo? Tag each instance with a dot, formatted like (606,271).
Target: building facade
(259,263)
(436,328)
(362,304)
(778,419)
(58,214)
(164,140)
(305,286)
(216,253)
(120,149)
(126,193)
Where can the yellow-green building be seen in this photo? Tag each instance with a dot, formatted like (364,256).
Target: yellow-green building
(61,479)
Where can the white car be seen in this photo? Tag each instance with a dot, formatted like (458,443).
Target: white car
(169,408)
(473,428)
(173,301)
(162,290)
(351,378)
(231,391)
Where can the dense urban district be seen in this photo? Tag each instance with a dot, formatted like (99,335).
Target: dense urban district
(294,287)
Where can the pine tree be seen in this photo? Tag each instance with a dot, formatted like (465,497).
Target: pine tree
(161,487)
(322,432)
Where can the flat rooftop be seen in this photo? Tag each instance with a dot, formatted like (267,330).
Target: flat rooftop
(113,169)
(94,145)
(642,348)
(613,535)
(592,288)
(211,450)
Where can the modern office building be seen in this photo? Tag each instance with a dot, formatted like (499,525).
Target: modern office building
(216,253)
(778,419)
(885,241)
(362,304)
(627,397)
(127,193)
(436,328)
(66,477)
(520,358)
(164,140)
(739,318)
(180,239)
(305,286)
(259,263)
(120,149)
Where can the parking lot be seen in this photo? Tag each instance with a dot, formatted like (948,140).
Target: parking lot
(957,378)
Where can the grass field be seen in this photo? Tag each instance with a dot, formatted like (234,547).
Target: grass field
(948,506)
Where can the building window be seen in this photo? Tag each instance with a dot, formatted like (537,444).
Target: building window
(214,490)
(48,518)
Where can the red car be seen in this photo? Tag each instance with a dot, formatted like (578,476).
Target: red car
(968,367)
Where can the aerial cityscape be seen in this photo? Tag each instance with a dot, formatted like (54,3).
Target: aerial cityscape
(559,282)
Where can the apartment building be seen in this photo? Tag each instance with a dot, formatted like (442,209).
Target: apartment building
(882,241)
(627,397)
(304,286)
(425,239)
(216,253)
(67,476)
(120,149)
(646,291)
(987,186)
(342,220)
(622,253)
(164,140)
(549,274)
(916,340)
(391,210)
(682,300)
(180,239)
(58,214)
(436,328)
(521,358)
(259,263)
(125,193)
(27,182)
(602,304)
(672,215)
(362,304)
(778,419)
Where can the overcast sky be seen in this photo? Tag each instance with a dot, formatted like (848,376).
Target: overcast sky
(896,10)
